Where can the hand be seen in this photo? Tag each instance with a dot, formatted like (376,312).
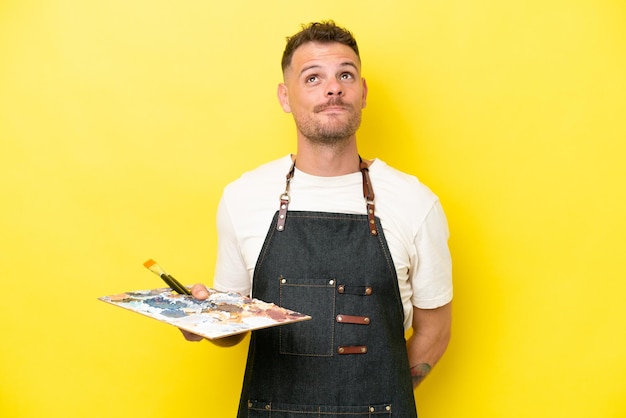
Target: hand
(200,292)
(190,336)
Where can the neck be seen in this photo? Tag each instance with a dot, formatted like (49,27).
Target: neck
(328,161)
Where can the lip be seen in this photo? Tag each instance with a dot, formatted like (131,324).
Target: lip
(333,109)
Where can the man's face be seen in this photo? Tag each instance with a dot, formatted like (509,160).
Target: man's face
(324,91)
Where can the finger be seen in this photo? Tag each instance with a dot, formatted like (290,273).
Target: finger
(190,336)
(199,291)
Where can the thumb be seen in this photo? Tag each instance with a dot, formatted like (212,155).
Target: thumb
(199,291)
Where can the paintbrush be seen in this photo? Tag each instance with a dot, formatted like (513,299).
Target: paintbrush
(171,282)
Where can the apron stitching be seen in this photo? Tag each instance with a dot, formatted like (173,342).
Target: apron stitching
(262,256)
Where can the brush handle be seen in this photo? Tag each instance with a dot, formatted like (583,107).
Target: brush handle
(181,288)
(174,284)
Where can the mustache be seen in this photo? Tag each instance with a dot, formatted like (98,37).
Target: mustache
(333,102)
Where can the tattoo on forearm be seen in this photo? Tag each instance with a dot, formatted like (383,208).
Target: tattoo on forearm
(419,372)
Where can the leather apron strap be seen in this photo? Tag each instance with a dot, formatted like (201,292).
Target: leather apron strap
(368,195)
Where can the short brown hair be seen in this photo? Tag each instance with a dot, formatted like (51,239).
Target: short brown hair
(323,32)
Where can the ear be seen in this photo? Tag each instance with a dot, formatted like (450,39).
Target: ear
(283,97)
(364,98)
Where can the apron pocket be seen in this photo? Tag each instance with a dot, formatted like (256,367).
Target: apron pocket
(314,297)
(258,409)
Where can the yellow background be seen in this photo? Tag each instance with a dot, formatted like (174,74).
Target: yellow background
(121,121)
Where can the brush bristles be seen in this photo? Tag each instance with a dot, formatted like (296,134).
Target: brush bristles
(153,267)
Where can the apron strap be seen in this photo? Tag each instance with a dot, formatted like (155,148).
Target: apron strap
(368,195)
(284,199)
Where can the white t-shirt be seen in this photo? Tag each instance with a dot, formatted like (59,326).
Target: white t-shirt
(413,222)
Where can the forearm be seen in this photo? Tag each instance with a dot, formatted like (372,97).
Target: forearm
(431,334)
(424,352)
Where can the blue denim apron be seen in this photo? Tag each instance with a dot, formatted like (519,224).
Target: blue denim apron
(350,360)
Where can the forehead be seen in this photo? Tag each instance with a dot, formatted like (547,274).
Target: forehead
(315,54)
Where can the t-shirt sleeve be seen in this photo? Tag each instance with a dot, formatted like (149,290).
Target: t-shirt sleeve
(431,271)
(231,273)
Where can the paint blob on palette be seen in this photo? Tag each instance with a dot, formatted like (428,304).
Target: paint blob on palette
(222,314)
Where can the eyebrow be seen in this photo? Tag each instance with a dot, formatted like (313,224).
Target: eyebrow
(343,64)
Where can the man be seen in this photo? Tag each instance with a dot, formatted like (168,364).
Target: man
(356,244)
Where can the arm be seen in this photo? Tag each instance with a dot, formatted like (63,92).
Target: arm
(431,280)
(431,334)
(230,272)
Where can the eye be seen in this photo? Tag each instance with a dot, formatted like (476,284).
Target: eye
(311,79)
(346,76)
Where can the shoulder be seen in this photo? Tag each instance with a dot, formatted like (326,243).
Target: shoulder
(394,184)
(402,201)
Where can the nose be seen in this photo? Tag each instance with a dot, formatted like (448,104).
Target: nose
(334,88)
